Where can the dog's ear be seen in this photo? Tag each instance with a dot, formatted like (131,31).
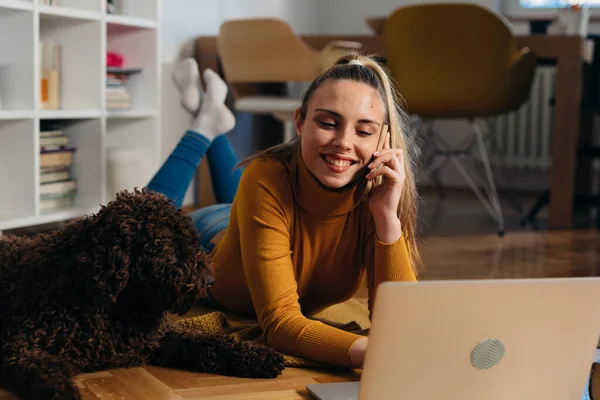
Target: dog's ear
(106,271)
(115,273)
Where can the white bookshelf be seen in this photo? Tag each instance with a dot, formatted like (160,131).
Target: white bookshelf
(85,33)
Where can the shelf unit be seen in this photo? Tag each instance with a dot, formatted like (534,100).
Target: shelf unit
(85,33)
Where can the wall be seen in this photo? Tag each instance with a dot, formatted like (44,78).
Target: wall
(185,20)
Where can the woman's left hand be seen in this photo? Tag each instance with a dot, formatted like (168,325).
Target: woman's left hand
(385,198)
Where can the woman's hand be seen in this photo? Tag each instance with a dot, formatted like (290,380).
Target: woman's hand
(358,352)
(385,198)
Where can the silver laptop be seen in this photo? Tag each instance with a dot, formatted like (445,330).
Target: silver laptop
(479,339)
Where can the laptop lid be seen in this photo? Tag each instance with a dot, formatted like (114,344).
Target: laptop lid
(482,339)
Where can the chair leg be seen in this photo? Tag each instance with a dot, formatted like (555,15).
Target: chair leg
(462,170)
(492,202)
(288,130)
(493,194)
(497,150)
(531,217)
(488,203)
(432,149)
(289,125)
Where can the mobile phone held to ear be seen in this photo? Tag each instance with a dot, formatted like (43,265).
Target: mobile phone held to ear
(377,181)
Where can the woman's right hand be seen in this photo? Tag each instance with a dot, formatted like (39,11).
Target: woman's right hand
(358,351)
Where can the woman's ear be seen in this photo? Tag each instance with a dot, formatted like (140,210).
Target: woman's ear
(299,121)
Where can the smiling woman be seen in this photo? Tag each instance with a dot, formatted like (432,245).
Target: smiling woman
(341,130)
(297,234)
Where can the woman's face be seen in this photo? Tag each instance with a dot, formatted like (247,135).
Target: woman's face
(340,131)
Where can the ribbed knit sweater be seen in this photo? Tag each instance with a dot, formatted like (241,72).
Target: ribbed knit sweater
(293,248)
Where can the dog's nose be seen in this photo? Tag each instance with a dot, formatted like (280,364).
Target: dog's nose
(210,280)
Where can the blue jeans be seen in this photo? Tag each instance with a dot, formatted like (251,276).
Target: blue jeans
(176,174)
(586,391)
(209,221)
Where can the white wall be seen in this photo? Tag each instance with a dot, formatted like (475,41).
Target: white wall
(185,20)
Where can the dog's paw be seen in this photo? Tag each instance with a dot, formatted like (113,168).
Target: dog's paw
(267,363)
(256,361)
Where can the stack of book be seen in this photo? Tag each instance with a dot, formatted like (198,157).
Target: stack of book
(57,187)
(117,92)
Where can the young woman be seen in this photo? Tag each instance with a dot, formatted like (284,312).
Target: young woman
(293,234)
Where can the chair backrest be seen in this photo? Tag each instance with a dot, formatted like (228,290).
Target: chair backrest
(439,53)
(264,50)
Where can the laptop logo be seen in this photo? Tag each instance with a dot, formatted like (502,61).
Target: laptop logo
(487,354)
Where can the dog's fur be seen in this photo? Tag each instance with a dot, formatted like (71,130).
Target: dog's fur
(95,295)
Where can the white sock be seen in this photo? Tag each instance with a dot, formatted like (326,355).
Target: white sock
(186,78)
(214,117)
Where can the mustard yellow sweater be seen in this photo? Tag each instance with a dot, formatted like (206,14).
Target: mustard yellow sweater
(293,248)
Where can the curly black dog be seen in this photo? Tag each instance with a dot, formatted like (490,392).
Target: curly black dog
(96,295)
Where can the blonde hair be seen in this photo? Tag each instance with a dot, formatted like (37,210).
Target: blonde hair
(367,70)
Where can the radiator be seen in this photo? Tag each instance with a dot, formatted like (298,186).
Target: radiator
(525,135)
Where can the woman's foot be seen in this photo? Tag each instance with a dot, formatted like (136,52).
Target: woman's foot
(214,118)
(186,78)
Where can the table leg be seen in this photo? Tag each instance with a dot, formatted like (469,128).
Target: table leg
(565,137)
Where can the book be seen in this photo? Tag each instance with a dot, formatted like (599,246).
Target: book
(55,158)
(117,98)
(54,175)
(54,203)
(52,189)
(122,70)
(61,140)
(117,93)
(51,133)
(50,74)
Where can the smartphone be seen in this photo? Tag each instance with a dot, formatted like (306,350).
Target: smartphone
(380,143)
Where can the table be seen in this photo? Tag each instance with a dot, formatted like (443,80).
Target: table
(569,53)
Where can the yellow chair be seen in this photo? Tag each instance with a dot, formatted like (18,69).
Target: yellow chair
(458,61)
(262,50)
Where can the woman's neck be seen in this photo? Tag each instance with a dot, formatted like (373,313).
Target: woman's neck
(316,198)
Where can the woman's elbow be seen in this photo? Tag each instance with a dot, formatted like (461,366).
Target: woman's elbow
(283,333)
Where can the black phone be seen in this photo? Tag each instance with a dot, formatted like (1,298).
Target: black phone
(377,181)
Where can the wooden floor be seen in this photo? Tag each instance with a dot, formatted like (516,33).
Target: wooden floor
(517,255)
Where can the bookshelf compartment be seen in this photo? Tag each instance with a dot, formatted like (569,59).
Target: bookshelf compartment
(85,169)
(7,114)
(138,48)
(18,170)
(80,62)
(17,4)
(16,60)
(131,154)
(86,5)
(134,8)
